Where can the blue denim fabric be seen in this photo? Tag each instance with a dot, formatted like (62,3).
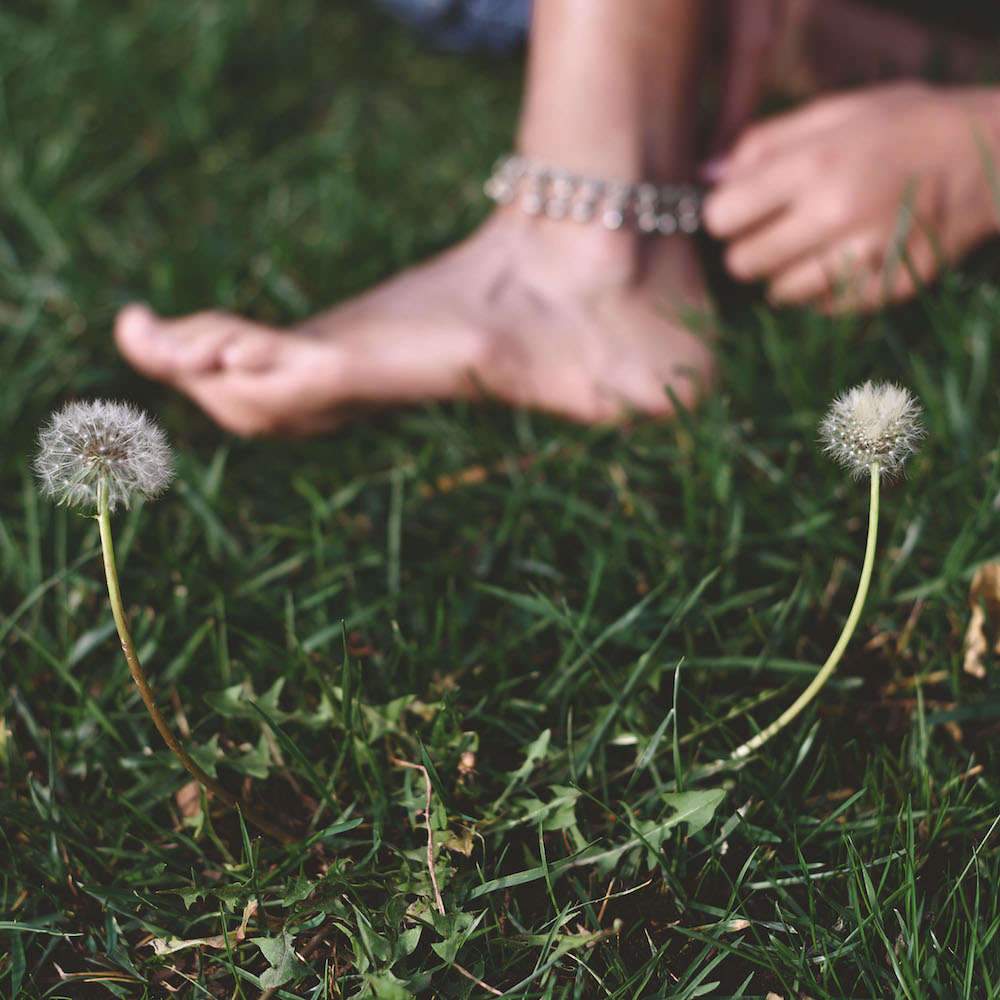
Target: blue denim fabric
(462,25)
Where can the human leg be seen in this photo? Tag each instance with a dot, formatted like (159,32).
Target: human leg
(801,48)
(857,199)
(567,317)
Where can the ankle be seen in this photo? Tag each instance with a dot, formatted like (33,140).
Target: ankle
(585,253)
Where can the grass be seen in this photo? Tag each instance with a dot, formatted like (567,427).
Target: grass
(558,625)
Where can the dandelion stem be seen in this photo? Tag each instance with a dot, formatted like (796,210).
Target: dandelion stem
(845,636)
(139,676)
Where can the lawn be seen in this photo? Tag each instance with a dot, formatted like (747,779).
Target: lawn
(544,631)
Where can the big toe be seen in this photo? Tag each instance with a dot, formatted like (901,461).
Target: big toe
(175,349)
(136,338)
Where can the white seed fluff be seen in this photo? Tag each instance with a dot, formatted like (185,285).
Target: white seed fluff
(877,422)
(87,442)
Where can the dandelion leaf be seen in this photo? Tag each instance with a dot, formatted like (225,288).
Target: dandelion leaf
(280,954)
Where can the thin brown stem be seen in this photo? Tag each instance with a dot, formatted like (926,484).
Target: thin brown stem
(430,831)
(476,980)
(139,676)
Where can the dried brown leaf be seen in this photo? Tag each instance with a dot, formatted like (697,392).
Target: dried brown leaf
(984,599)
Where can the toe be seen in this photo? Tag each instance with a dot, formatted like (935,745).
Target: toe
(135,338)
(176,349)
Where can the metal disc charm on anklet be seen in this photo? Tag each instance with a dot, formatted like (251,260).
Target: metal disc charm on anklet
(541,189)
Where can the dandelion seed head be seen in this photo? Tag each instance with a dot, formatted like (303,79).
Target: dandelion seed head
(875,422)
(89,442)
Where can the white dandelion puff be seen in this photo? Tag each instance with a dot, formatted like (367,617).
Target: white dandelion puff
(102,454)
(102,441)
(875,423)
(872,429)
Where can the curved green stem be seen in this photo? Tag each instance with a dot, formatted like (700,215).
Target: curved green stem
(139,676)
(845,636)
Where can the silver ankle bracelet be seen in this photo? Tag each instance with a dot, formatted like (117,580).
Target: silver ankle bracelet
(541,189)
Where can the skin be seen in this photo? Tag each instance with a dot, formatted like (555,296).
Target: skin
(802,48)
(522,311)
(859,198)
(595,325)
(568,318)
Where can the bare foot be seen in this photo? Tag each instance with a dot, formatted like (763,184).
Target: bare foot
(801,208)
(570,319)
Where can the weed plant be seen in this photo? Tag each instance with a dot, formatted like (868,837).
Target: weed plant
(543,630)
